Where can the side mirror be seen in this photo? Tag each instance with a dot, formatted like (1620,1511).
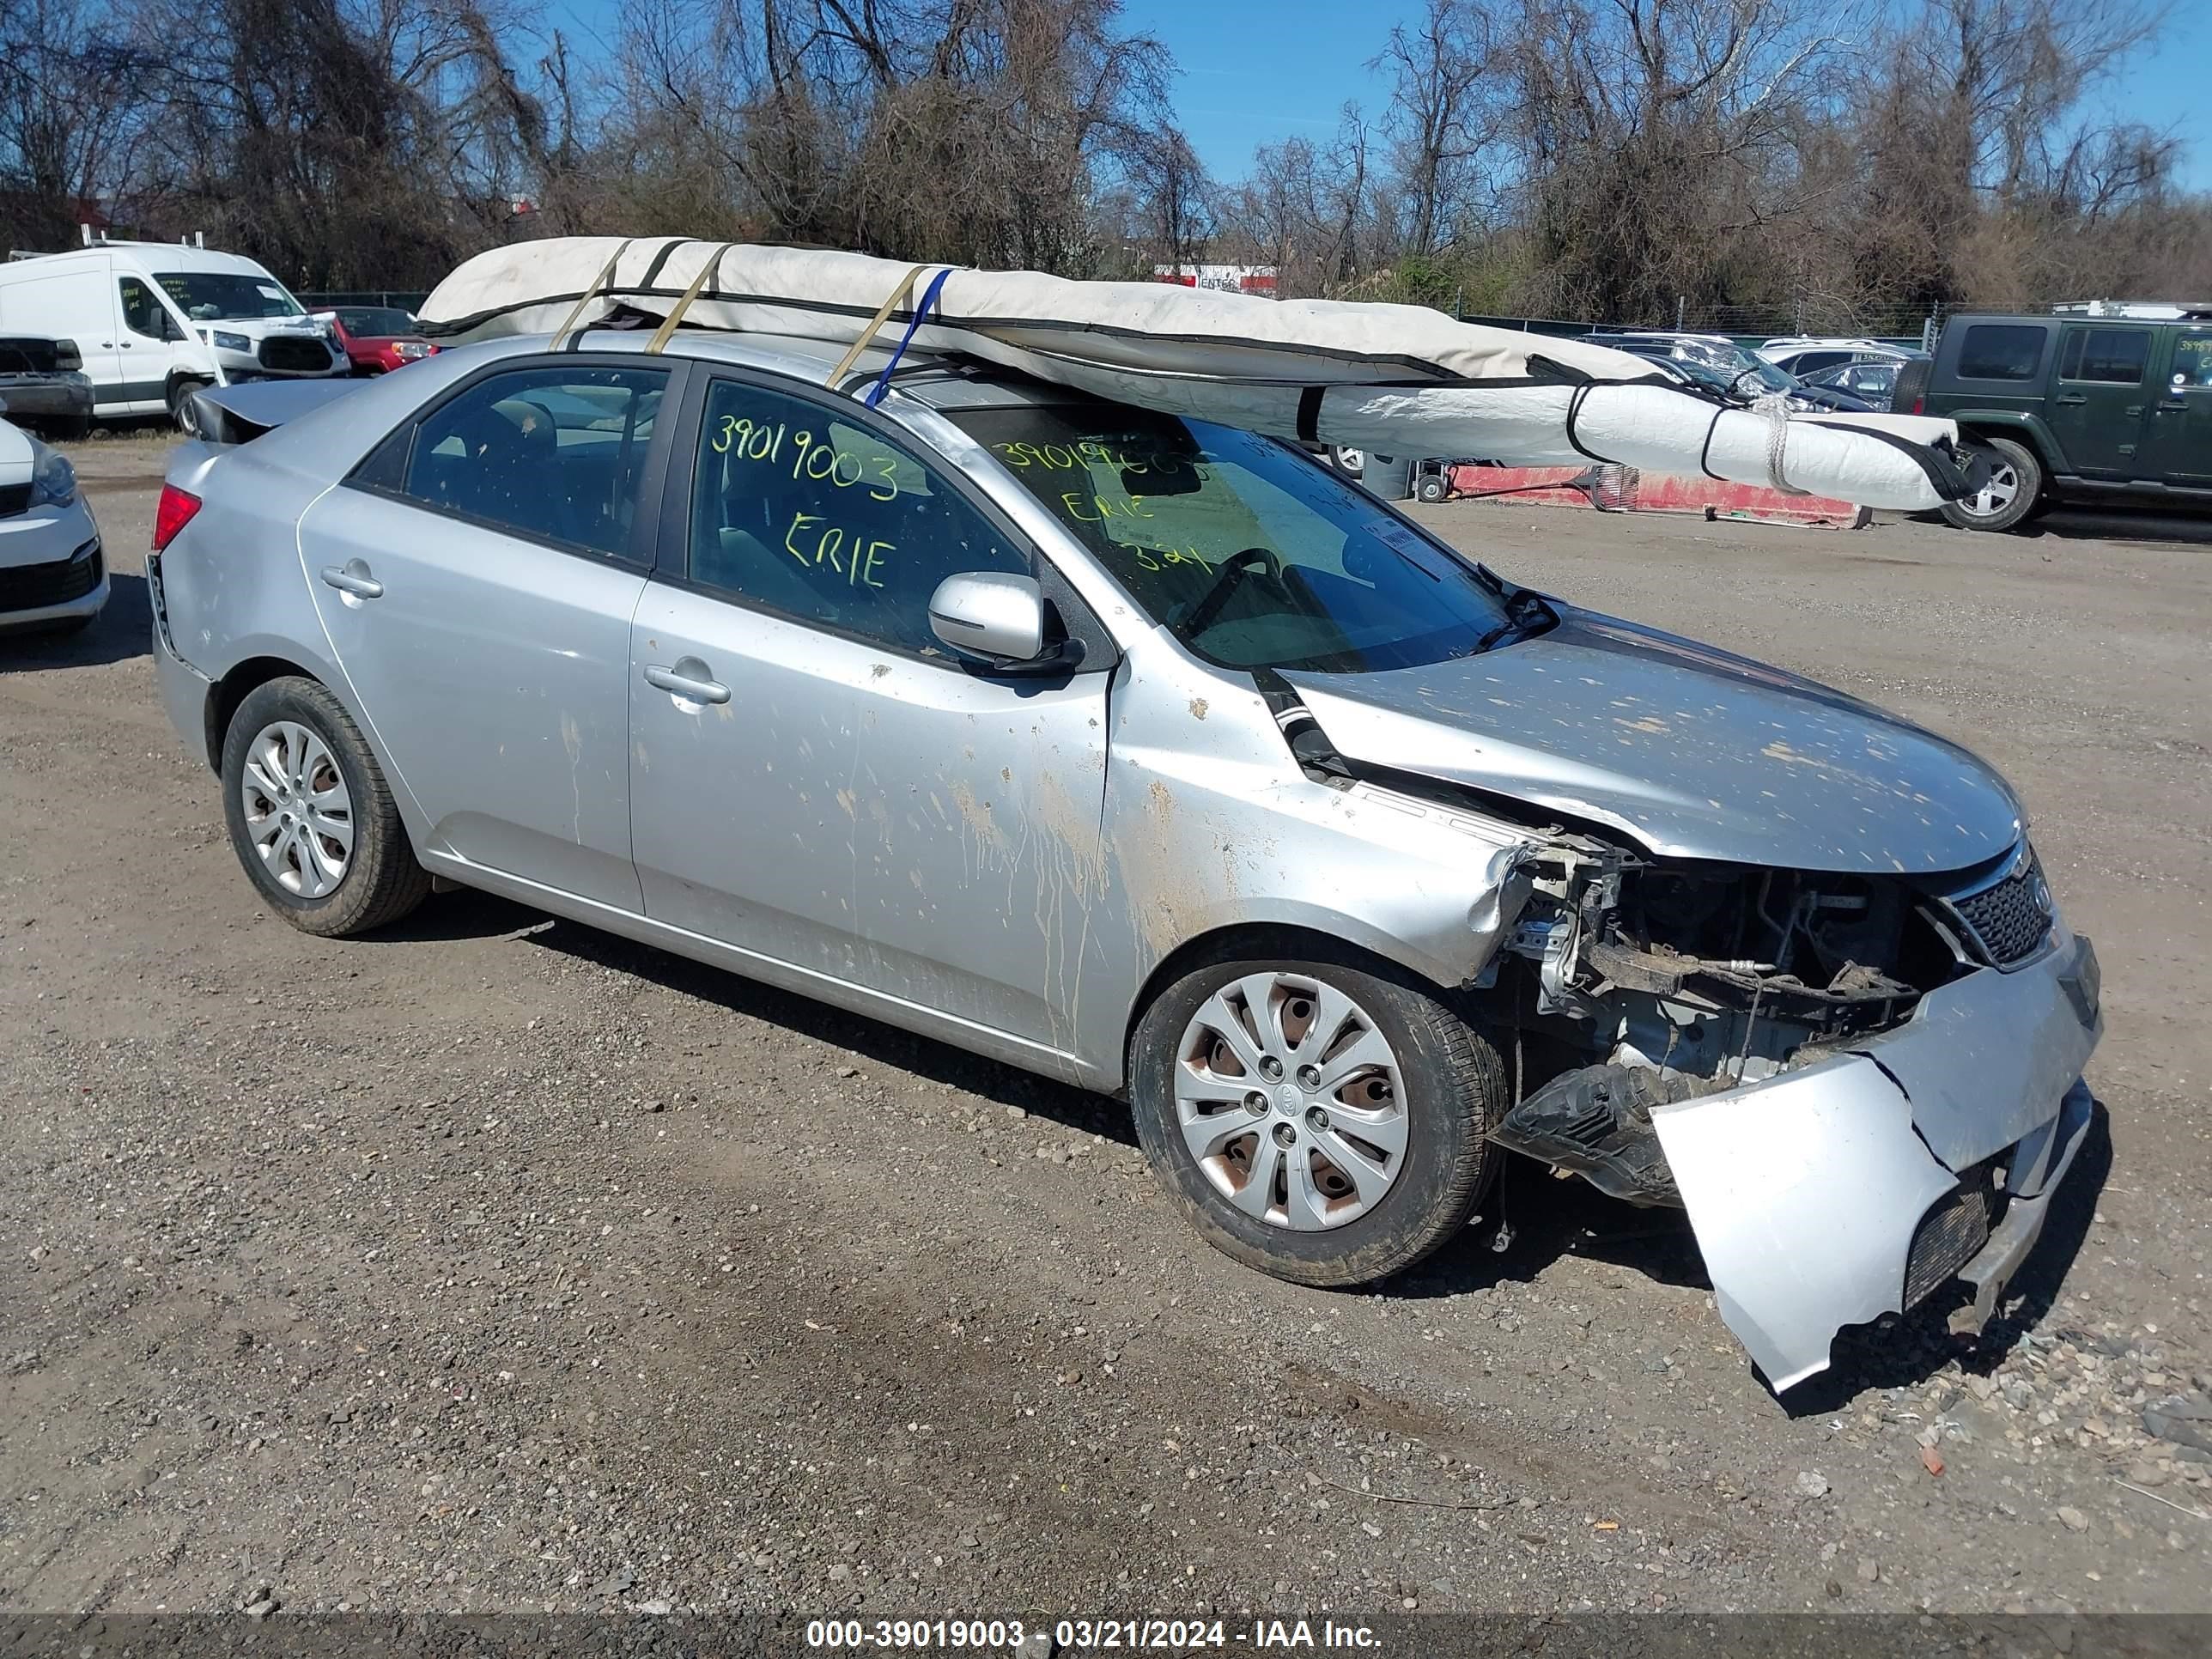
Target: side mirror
(990,613)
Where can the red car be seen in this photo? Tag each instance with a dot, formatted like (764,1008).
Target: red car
(378,338)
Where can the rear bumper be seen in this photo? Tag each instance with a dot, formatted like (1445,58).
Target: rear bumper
(1856,1186)
(185,689)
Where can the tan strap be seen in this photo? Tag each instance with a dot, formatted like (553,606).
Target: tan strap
(708,268)
(589,294)
(852,355)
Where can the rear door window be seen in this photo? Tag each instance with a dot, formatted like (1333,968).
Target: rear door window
(2112,356)
(2002,351)
(553,454)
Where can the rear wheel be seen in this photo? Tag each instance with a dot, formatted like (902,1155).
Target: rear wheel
(2010,493)
(311,817)
(1320,1119)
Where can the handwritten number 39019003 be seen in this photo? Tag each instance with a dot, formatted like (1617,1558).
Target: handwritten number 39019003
(813,459)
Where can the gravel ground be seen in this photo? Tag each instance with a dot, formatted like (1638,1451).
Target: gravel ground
(496,1264)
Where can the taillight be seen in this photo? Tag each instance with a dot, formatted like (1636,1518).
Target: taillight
(1920,405)
(176,509)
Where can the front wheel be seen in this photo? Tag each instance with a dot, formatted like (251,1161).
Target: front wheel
(2013,489)
(184,413)
(1319,1119)
(311,817)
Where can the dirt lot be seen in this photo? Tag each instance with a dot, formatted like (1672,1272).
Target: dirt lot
(499,1264)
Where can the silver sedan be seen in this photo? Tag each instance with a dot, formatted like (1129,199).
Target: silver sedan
(1154,757)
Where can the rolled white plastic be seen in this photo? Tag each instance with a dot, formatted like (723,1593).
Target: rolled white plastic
(1399,379)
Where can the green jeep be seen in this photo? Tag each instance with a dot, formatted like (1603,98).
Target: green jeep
(2109,404)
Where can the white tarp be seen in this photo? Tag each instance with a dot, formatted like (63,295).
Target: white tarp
(1396,380)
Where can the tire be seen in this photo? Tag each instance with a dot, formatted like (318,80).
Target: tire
(184,414)
(1431,488)
(1353,463)
(378,881)
(1445,1082)
(2016,486)
(68,429)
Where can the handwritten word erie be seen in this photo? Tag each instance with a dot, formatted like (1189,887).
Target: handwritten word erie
(855,560)
(1104,507)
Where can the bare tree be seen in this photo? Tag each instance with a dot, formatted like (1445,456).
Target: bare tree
(1441,125)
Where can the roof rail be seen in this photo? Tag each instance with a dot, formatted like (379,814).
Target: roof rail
(2143,310)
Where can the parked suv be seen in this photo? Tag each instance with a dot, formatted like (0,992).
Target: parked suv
(2113,409)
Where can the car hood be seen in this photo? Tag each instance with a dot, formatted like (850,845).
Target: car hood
(1693,751)
(16,455)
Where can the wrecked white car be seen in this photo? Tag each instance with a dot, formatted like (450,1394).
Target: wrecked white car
(1146,753)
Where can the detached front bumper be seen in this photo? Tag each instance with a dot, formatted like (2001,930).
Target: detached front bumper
(1858,1185)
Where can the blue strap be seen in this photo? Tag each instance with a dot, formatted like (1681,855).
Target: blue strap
(928,299)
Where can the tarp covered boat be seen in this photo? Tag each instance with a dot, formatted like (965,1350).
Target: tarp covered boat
(1390,378)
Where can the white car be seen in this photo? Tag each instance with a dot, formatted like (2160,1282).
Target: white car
(51,573)
(1807,353)
(155,322)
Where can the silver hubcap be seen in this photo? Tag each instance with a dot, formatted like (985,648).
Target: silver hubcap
(1997,493)
(1289,1096)
(297,814)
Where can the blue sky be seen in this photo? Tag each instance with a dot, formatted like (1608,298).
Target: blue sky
(1253,71)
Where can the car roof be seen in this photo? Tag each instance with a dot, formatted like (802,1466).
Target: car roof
(940,379)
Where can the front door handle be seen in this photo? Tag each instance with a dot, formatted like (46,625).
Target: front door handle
(693,685)
(352,577)
(2071,397)
(2132,411)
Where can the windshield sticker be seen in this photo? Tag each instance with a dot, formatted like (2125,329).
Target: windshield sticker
(269,290)
(1399,538)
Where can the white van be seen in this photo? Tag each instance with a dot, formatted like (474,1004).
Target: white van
(155,321)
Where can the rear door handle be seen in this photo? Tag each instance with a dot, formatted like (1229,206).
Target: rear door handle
(694,687)
(354,578)
(2071,397)
(2172,406)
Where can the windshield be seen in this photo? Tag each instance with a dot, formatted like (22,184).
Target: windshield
(207,296)
(1251,554)
(372,322)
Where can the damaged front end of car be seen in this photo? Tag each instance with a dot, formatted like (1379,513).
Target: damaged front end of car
(1860,1087)
(1772,956)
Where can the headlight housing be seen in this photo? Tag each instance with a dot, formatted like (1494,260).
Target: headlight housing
(53,480)
(224,342)
(408,350)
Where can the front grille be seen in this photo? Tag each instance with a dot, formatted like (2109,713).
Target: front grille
(1950,1234)
(29,355)
(33,586)
(13,499)
(2009,918)
(291,354)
